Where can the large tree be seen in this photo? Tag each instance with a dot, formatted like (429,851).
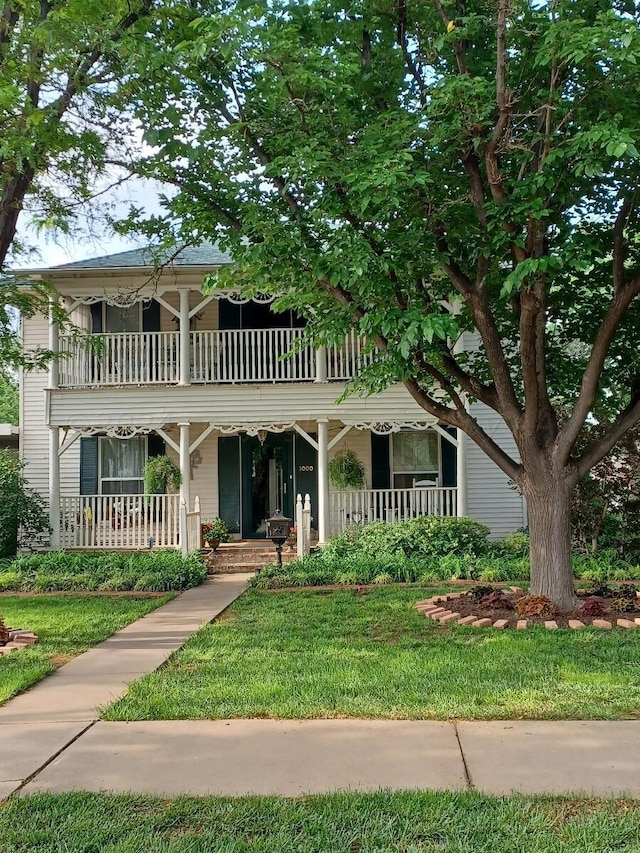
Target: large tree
(415,169)
(62,63)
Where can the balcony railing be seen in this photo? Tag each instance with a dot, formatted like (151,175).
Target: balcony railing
(390,505)
(228,357)
(125,358)
(250,355)
(119,521)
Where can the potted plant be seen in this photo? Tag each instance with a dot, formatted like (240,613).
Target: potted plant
(214,531)
(161,475)
(292,538)
(346,470)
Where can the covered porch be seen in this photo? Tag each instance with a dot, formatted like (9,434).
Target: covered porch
(243,473)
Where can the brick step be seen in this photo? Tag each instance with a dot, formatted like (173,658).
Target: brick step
(218,564)
(251,558)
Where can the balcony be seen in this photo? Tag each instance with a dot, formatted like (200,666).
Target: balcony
(215,357)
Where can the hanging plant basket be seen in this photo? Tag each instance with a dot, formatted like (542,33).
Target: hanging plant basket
(346,470)
(161,476)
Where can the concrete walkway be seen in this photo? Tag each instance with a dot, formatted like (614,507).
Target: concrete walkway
(51,739)
(39,724)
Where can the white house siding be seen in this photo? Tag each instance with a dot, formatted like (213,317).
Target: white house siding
(238,404)
(34,435)
(490,498)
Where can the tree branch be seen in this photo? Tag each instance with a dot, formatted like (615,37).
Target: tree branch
(627,419)
(476,299)
(591,376)
(461,419)
(619,242)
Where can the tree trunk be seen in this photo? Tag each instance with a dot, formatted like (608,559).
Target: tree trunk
(549,509)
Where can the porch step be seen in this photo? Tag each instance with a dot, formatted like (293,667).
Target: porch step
(243,557)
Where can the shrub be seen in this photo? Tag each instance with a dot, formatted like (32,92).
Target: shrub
(512,545)
(22,511)
(429,536)
(61,571)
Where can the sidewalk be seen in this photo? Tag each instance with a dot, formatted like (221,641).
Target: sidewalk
(38,724)
(51,739)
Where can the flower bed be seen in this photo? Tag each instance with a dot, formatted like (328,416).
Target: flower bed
(12,639)
(485,607)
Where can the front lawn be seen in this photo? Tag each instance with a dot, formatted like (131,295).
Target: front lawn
(66,626)
(371,654)
(382,822)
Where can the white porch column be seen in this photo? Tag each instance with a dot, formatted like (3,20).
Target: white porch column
(185,349)
(185,464)
(185,483)
(323,481)
(54,486)
(321,364)
(54,344)
(461,469)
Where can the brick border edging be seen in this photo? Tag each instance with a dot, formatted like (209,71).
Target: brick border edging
(433,608)
(18,639)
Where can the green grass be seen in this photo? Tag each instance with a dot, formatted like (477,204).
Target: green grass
(382,822)
(341,654)
(66,626)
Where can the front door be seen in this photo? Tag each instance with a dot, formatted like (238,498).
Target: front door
(267,481)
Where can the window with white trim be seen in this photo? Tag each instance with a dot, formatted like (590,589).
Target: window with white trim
(415,458)
(121,465)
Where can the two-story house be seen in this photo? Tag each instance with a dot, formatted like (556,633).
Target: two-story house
(158,366)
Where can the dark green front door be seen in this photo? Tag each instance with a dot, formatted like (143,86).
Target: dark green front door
(267,481)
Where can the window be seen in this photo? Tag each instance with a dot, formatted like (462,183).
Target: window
(128,319)
(122,465)
(415,457)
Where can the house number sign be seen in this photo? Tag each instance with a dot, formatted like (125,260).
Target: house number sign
(305,468)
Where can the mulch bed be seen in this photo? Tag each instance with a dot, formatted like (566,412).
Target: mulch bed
(617,607)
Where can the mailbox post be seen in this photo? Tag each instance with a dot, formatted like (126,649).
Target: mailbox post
(278,527)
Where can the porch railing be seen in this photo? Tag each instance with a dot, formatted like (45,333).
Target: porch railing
(217,356)
(192,523)
(390,505)
(119,521)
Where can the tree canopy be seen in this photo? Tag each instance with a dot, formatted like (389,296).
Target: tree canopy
(415,169)
(62,63)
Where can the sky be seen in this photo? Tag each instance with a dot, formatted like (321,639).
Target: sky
(87,241)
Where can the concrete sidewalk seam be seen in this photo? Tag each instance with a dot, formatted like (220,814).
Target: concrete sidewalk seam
(51,758)
(467,772)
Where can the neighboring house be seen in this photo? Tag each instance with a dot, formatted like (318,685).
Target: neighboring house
(161,367)
(9,436)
